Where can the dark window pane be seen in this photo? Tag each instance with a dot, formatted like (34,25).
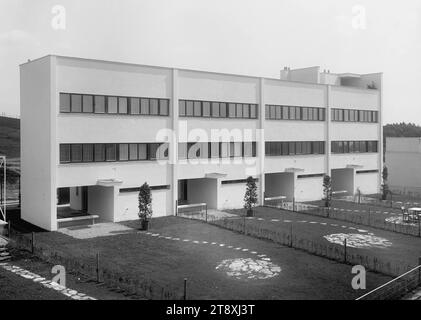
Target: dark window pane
(239,108)
(272,114)
(278,113)
(181,108)
(123,152)
(304,113)
(76,152)
(143,151)
(134,106)
(153,106)
(64,102)
(248,149)
(223,110)
(267,112)
(99,104)
(321,114)
(76,103)
(88,152)
(253,111)
(214,149)
(133,153)
(110,152)
(153,151)
(122,105)
(99,152)
(189,108)
(298,148)
(88,104)
(164,107)
(206,109)
(144,106)
(182,150)
(112,105)
(197,109)
(231,110)
(215,109)
(64,153)
(246,111)
(291,148)
(292,113)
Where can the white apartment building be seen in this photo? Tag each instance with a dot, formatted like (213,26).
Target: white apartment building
(403,161)
(101,129)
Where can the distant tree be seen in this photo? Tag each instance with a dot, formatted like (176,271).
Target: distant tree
(385,186)
(327,190)
(250,197)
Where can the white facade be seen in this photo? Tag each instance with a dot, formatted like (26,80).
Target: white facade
(45,128)
(403,161)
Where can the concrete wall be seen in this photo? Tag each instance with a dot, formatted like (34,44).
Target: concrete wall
(309,189)
(38,125)
(368,183)
(231,196)
(127,208)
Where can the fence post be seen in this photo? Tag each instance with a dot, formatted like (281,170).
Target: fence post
(9,231)
(345,250)
(32,242)
(244,224)
(176,208)
(293,204)
(97,267)
(419,226)
(290,235)
(369,216)
(185,289)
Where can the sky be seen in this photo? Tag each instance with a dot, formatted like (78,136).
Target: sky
(250,37)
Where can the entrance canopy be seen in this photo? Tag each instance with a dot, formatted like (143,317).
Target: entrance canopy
(215,175)
(108,182)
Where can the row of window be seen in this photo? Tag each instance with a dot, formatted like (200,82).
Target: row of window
(212,109)
(207,150)
(350,115)
(367,171)
(137,189)
(239,181)
(314,175)
(354,146)
(274,112)
(103,152)
(294,148)
(85,103)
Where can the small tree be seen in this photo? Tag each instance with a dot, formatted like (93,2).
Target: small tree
(145,202)
(327,190)
(385,186)
(250,198)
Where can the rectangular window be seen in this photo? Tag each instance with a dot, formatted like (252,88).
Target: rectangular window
(153,151)
(292,113)
(321,114)
(122,105)
(374,116)
(182,108)
(88,104)
(351,116)
(223,110)
(316,114)
(291,148)
(248,149)
(272,112)
(231,110)
(193,150)
(285,148)
(238,149)
(304,113)
(134,105)
(144,106)
(99,152)
(197,109)
(64,153)
(206,109)
(76,150)
(278,113)
(133,153)
(346,146)
(214,149)
(153,106)
(246,111)
(215,109)
(315,147)
(346,115)
(369,116)
(76,103)
(88,152)
(298,148)
(99,104)
(143,151)
(231,149)
(306,147)
(239,113)
(110,152)
(64,102)
(253,111)
(189,108)
(164,107)
(363,146)
(123,152)
(310,114)
(225,149)
(112,104)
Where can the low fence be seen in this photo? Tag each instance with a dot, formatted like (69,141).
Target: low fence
(340,253)
(97,268)
(396,288)
(193,211)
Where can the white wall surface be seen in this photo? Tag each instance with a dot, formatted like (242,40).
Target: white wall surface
(368,183)
(309,189)
(37,138)
(312,164)
(354,98)
(231,196)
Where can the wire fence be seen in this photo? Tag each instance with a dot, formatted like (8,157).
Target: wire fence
(398,287)
(193,211)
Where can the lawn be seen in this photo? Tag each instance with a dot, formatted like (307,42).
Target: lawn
(176,248)
(396,249)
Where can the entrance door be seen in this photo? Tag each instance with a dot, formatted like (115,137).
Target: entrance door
(84,199)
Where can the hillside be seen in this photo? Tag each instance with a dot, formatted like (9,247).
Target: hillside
(10,137)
